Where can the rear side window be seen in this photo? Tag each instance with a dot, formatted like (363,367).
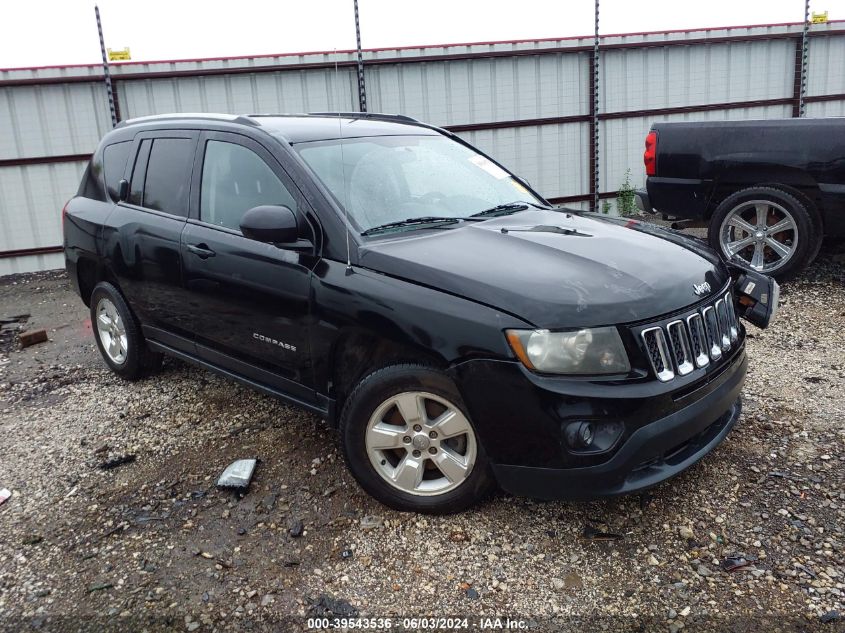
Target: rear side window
(168,175)
(136,187)
(114,163)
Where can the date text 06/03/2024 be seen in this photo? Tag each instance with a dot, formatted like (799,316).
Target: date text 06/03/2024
(419,624)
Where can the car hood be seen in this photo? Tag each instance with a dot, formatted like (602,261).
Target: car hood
(555,269)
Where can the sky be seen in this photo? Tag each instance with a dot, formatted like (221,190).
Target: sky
(61,32)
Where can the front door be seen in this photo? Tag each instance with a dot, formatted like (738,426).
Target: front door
(250,299)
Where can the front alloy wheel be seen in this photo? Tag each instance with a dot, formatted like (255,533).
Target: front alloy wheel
(421,443)
(409,441)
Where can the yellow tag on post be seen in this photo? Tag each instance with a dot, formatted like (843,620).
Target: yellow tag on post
(119,56)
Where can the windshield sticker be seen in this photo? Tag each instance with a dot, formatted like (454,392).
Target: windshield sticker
(519,186)
(489,166)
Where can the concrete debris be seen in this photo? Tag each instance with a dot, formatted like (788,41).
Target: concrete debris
(237,475)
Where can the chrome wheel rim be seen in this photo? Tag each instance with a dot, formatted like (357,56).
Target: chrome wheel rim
(112,332)
(420,443)
(761,234)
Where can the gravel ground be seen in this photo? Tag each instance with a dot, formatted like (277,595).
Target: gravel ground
(151,544)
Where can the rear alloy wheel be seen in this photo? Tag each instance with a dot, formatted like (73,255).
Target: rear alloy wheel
(764,229)
(409,442)
(118,334)
(112,331)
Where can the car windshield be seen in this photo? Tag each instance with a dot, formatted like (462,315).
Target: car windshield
(386,179)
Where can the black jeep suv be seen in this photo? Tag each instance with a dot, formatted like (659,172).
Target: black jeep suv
(387,276)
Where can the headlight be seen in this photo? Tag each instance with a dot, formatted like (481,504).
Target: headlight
(589,351)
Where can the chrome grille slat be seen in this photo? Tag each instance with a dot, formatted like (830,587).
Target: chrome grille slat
(722,319)
(698,339)
(711,327)
(658,351)
(680,347)
(733,324)
(694,340)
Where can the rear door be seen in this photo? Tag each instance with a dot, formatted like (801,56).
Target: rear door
(250,300)
(142,234)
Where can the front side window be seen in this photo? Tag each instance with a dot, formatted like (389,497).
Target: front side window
(383,179)
(234,180)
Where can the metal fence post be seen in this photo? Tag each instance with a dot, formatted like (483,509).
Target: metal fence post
(804,58)
(362,91)
(106,73)
(594,117)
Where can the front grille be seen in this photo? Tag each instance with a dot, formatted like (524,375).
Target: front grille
(692,340)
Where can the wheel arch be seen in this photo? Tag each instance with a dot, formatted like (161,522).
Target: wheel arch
(357,352)
(90,272)
(794,181)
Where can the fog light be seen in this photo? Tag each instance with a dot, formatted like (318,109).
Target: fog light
(580,434)
(592,437)
(585,434)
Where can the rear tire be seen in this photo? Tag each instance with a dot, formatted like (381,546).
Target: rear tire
(409,442)
(118,335)
(765,229)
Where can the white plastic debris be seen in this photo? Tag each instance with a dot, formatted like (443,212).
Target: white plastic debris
(5,493)
(238,474)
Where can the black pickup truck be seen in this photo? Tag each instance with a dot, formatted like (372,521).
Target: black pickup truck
(457,329)
(769,190)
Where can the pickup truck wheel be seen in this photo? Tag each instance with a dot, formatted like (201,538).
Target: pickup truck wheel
(765,229)
(409,442)
(118,334)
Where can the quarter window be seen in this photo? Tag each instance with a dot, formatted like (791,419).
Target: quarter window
(114,162)
(234,180)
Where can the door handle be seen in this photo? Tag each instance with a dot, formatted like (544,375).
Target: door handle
(201,250)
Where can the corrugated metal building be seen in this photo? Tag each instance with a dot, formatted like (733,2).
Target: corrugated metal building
(527,103)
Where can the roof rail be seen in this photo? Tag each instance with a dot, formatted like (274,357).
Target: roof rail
(232,118)
(368,115)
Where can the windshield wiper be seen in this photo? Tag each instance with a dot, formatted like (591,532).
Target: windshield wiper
(428,219)
(506,209)
(500,209)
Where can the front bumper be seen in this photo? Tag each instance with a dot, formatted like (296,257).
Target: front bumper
(520,423)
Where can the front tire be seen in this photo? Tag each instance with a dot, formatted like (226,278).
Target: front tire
(118,334)
(765,229)
(409,442)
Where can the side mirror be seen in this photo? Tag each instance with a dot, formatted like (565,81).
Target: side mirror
(122,190)
(270,223)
